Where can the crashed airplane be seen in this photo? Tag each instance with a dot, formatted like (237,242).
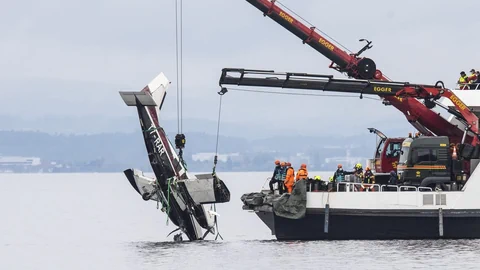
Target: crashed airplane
(187,199)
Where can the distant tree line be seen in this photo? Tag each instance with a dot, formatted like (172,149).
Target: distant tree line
(114,152)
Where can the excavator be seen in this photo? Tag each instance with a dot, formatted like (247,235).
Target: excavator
(420,115)
(424,161)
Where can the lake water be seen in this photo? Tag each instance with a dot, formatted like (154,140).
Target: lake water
(97,221)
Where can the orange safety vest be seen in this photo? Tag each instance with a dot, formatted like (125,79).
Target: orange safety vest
(290,178)
(302,174)
(472,78)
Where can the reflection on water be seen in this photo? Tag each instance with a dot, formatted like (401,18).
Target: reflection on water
(272,254)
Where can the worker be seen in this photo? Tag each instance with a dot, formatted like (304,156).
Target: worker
(339,175)
(462,81)
(368,175)
(477,86)
(302,173)
(358,173)
(289,177)
(281,178)
(330,183)
(276,175)
(317,182)
(371,187)
(472,79)
(393,178)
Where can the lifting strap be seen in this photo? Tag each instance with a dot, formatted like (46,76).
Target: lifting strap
(180,137)
(215,160)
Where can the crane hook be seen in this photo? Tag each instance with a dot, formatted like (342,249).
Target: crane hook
(223,91)
(439,84)
(366,47)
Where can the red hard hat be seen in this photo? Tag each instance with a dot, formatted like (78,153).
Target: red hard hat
(303,165)
(277,162)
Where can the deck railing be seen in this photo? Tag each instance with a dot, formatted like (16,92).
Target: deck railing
(359,187)
(473,86)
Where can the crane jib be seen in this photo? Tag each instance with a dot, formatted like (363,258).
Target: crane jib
(304,81)
(307,35)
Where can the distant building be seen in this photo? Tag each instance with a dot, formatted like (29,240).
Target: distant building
(347,161)
(210,156)
(19,161)
(12,164)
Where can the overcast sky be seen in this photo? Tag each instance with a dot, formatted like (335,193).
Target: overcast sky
(72,57)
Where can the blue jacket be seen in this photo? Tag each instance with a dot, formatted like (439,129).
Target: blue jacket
(277,172)
(339,176)
(283,173)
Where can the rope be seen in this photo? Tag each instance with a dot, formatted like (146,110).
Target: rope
(218,123)
(179,63)
(176,59)
(297,94)
(181,67)
(218,135)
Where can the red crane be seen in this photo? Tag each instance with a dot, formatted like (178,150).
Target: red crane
(420,116)
(388,149)
(304,81)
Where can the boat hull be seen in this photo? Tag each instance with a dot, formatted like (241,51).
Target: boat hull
(376,224)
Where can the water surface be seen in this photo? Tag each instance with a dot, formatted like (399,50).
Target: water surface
(97,221)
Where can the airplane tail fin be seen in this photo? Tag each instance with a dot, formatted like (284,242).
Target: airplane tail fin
(152,95)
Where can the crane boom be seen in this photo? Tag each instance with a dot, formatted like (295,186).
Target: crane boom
(422,118)
(397,90)
(354,66)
